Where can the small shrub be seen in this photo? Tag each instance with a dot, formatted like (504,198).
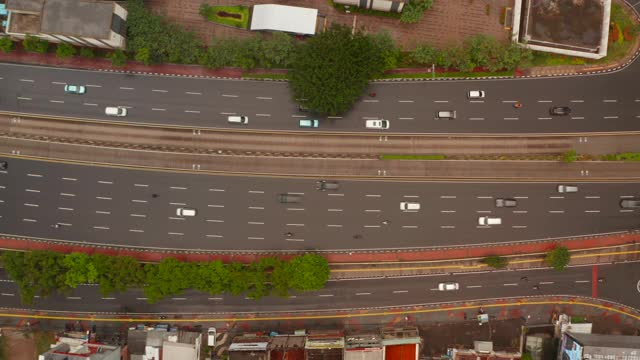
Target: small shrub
(64,50)
(6,45)
(413,11)
(35,44)
(495,261)
(87,52)
(558,258)
(570,156)
(118,58)
(487,9)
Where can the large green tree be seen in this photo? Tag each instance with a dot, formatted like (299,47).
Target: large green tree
(332,70)
(558,258)
(308,272)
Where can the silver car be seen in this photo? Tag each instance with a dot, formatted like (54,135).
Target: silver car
(506,203)
(630,203)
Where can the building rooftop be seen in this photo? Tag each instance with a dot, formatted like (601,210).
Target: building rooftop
(607,341)
(286,347)
(77,17)
(86,351)
(25,5)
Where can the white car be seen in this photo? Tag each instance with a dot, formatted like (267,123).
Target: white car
(475,94)
(186,212)
(447,286)
(377,124)
(567,188)
(488,220)
(119,111)
(211,336)
(409,206)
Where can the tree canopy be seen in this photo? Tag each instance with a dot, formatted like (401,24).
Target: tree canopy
(332,70)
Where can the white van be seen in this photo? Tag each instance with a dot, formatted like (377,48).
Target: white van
(377,124)
(115,111)
(488,220)
(238,119)
(186,212)
(211,336)
(409,206)
(567,188)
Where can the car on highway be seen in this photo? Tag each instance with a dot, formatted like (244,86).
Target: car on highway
(567,188)
(286,198)
(377,124)
(186,212)
(211,336)
(75,89)
(506,202)
(407,206)
(560,110)
(446,114)
(4,165)
(630,203)
(119,111)
(448,286)
(475,94)
(489,220)
(306,123)
(324,185)
(238,119)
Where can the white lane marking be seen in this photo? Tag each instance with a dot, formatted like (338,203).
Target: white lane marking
(192,111)
(295,209)
(511,118)
(334,225)
(58,83)
(136,230)
(138,215)
(372,226)
(255,238)
(609,101)
(371,101)
(592,197)
(95,86)
(440,101)
(409,226)
(103,212)
(101,227)
(610,117)
(74,298)
(556,211)
(215,221)
(484,197)
(179,299)
(509,101)
(177,204)
(577,118)
(592,211)
(105,182)
(520,197)
(213,236)
(296,193)
(447,211)
(215,206)
(56,101)
(176,218)
(556,197)
(158,109)
(325,295)
(483,211)
(373,195)
(226,113)
(256,192)
(519,226)
(23,98)
(582,281)
(473,286)
(8,294)
(193,93)
(65,209)
(294,224)
(626,210)
(103,198)
(405,118)
(364,293)
(126,88)
(476,101)
(334,117)
(29,220)
(263,115)
(217,190)
(231,96)
(138,201)
(447,227)
(626,196)
(256,208)
(89,104)
(26,80)
(372,210)
(108,298)
(255,223)
(143,298)
(263,98)
(447,197)
(178,188)
(176,233)
(32,190)
(520,211)
(544,118)
(69,179)
(32,205)
(400,291)
(141,185)
(405,101)
(334,209)
(334,194)
(476,118)
(546,282)
(544,101)
(292,239)
(576,101)
(159,90)
(411,196)
(34,175)
(510,284)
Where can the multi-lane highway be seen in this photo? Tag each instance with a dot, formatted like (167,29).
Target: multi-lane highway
(138,208)
(600,103)
(620,284)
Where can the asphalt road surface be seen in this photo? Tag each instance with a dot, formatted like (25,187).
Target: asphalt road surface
(117,206)
(620,285)
(601,103)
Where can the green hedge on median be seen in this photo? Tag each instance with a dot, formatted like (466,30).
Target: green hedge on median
(627,156)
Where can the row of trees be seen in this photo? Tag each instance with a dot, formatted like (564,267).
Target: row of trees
(558,258)
(45,272)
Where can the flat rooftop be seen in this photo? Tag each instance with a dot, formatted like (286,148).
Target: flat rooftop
(78,18)
(567,24)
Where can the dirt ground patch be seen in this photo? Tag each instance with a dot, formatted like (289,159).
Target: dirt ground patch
(19,346)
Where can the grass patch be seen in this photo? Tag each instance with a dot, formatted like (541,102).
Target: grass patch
(411,157)
(628,156)
(4,355)
(236,16)
(357,10)
(266,76)
(446,75)
(43,340)
(578,320)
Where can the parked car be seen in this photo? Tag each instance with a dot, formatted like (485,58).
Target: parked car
(489,220)
(305,123)
(409,206)
(506,203)
(324,185)
(186,212)
(475,94)
(567,188)
(630,203)
(75,89)
(446,114)
(119,111)
(560,110)
(377,124)
(211,336)
(447,286)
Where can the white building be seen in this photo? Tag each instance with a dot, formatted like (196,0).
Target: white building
(79,22)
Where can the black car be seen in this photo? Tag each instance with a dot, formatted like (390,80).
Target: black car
(560,110)
(4,165)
